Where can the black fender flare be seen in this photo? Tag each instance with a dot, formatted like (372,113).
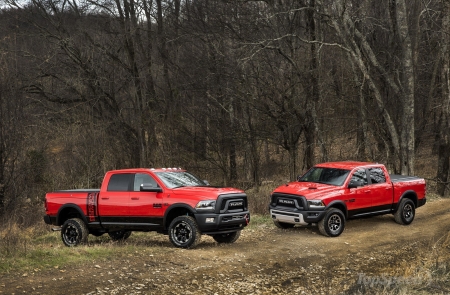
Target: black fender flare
(70,206)
(408,192)
(339,205)
(176,206)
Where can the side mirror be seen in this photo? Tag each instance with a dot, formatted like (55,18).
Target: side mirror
(148,187)
(206,182)
(355,183)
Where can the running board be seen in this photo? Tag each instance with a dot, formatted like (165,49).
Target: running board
(56,229)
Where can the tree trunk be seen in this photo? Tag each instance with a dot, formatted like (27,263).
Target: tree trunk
(444,130)
(407,130)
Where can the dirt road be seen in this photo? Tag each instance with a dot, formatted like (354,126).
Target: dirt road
(371,252)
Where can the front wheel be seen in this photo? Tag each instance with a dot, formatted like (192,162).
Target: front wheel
(227,238)
(405,212)
(120,235)
(333,223)
(74,232)
(184,232)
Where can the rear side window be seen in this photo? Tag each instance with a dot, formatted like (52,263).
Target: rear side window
(119,182)
(377,175)
(360,175)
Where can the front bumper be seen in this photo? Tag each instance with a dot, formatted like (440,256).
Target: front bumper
(213,223)
(296,216)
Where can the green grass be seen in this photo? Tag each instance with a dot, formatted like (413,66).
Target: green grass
(48,251)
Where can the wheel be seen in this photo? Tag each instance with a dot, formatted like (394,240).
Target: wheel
(74,232)
(184,232)
(283,224)
(333,223)
(405,212)
(120,235)
(227,238)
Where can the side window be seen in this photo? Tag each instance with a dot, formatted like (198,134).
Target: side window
(141,178)
(119,182)
(360,175)
(377,175)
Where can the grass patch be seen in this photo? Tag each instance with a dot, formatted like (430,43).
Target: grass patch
(47,251)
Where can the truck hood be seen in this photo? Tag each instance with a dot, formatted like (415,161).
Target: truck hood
(205,192)
(310,190)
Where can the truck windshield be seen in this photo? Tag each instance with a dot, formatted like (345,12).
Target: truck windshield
(330,176)
(179,179)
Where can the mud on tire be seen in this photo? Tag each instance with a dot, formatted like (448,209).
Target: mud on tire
(184,232)
(333,223)
(74,232)
(228,238)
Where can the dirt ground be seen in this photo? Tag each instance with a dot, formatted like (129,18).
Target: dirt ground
(371,252)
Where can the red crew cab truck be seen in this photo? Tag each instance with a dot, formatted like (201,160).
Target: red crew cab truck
(169,201)
(330,193)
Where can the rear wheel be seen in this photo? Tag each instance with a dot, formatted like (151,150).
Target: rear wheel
(333,223)
(119,235)
(184,232)
(283,224)
(405,212)
(228,238)
(74,232)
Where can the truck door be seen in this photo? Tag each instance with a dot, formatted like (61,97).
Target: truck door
(358,200)
(113,203)
(381,190)
(146,207)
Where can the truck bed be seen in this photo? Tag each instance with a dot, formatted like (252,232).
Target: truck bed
(401,178)
(82,190)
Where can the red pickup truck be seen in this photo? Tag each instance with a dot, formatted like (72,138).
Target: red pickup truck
(330,193)
(169,201)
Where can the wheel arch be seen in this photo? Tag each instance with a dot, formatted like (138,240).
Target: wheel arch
(176,210)
(409,194)
(338,205)
(69,211)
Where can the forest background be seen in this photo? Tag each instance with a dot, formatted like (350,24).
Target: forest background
(242,93)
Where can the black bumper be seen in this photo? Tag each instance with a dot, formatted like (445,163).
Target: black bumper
(421,202)
(213,223)
(50,220)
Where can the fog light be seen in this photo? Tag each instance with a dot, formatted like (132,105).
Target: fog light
(209,220)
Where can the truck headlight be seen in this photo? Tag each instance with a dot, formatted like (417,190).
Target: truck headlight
(208,205)
(316,204)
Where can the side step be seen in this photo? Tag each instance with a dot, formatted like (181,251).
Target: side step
(56,228)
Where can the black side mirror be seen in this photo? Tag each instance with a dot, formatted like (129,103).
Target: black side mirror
(148,187)
(355,183)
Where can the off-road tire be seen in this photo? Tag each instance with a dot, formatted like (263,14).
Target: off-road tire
(74,232)
(405,212)
(184,232)
(332,223)
(119,235)
(228,238)
(283,225)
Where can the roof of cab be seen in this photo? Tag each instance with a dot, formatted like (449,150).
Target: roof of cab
(346,164)
(137,170)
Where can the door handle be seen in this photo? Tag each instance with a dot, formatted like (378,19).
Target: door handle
(135,198)
(367,191)
(105,198)
(351,200)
